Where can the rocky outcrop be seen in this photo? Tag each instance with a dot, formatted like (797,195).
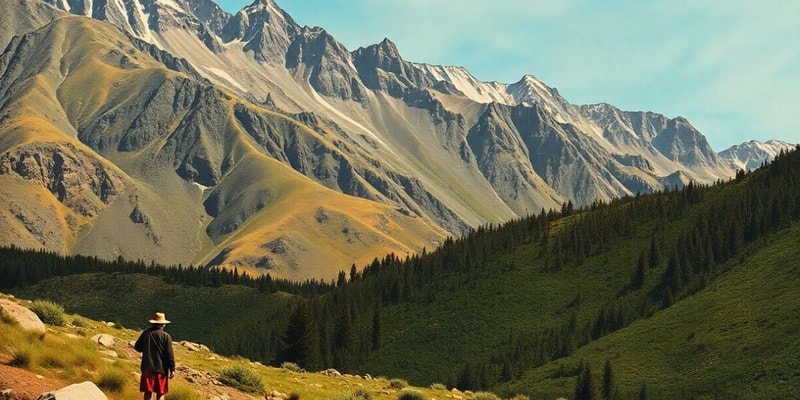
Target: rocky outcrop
(21,316)
(78,391)
(76,178)
(327,65)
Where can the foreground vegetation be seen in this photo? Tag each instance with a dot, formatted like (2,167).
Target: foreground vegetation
(66,352)
(656,286)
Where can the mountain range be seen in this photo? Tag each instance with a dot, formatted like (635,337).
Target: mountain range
(172,131)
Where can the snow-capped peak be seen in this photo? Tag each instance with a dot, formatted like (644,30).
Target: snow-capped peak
(751,155)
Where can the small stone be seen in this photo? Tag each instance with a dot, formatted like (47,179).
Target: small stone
(104,340)
(110,353)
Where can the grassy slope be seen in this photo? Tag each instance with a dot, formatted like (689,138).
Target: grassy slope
(736,339)
(469,317)
(67,353)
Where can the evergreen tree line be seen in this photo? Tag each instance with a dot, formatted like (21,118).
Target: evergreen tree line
(728,218)
(20,268)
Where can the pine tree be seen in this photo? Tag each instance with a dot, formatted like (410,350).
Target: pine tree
(377,328)
(640,277)
(654,256)
(301,341)
(610,389)
(584,387)
(344,343)
(643,392)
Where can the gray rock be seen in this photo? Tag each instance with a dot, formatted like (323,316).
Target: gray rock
(104,340)
(22,316)
(78,391)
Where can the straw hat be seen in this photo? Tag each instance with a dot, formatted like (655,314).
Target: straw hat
(159,319)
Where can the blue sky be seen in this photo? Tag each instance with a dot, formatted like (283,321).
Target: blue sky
(732,67)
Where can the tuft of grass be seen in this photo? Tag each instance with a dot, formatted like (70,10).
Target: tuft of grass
(290,366)
(359,394)
(484,396)
(397,383)
(22,354)
(49,312)
(240,376)
(180,391)
(409,394)
(112,380)
(438,386)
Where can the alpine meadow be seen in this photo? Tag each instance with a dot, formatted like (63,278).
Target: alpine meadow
(297,207)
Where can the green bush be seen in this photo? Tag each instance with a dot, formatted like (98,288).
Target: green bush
(397,383)
(288,365)
(409,394)
(50,313)
(112,380)
(240,376)
(359,394)
(78,323)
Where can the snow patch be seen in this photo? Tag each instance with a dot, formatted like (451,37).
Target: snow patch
(224,75)
(172,4)
(202,187)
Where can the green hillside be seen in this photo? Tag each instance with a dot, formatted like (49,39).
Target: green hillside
(738,338)
(687,293)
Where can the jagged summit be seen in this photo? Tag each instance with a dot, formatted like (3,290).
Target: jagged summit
(751,155)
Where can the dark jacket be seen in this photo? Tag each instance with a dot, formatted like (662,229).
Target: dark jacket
(156,347)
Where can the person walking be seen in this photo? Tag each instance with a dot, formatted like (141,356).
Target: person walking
(158,359)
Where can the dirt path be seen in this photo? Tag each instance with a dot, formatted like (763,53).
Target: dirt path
(25,385)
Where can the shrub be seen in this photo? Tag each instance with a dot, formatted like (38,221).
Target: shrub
(78,323)
(288,365)
(50,313)
(112,380)
(239,376)
(21,354)
(438,386)
(359,394)
(484,396)
(398,383)
(409,394)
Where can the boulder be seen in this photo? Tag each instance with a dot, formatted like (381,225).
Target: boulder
(194,346)
(104,340)
(78,391)
(22,316)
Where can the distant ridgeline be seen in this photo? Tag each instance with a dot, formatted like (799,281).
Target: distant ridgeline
(679,242)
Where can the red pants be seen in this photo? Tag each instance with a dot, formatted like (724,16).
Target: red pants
(154,382)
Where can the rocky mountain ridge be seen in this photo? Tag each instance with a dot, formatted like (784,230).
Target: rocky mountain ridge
(192,95)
